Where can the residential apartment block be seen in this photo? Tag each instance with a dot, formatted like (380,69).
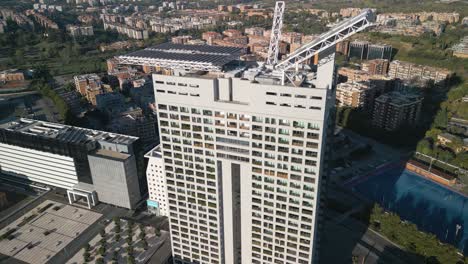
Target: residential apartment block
(357,94)
(243,158)
(90,86)
(131,32)
(395,109)
(76,31)
(407,71)
(376,66)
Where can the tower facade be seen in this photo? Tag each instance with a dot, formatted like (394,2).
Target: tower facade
(243,162)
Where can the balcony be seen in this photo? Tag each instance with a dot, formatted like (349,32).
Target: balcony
(298,134)
(298,143)
(244,117)
(312,136)
(257,128)
(244,126)
(282,175)
(256,137)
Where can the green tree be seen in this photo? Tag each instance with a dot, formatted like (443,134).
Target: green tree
(444,154)
(102,250)
(425,146)
(461,160)
(86,256)
(441,119)
(102,233)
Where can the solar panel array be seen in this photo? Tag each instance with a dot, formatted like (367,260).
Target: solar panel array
(203,54)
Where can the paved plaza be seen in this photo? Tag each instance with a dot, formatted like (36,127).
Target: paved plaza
(44,231)
(116,244)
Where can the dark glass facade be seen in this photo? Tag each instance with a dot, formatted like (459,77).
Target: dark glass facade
(78,152)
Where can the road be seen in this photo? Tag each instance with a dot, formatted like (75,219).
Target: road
(381,154)
(347,237)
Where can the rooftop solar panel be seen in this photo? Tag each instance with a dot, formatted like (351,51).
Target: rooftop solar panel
(215,56)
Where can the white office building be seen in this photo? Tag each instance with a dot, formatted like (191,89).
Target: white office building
(90,164)
(156,178)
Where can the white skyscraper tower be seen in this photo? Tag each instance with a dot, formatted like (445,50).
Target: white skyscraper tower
(244,149)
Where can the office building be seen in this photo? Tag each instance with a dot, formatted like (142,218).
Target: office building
(364,50)
(243,157)
(96,165)
(358,49)
(395,109)
(157,189)
(379,51)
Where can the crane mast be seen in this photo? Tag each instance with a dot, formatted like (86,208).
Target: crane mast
(273,49)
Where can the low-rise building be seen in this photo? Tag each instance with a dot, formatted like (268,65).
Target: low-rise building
(155,176)
(350,11)
(461,49)
(232,33)
(254,31)
(181,39)
(11,75)
(211,36)
(77,31)
(395,109)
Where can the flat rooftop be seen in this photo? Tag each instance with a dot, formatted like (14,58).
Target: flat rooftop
(154,153)
(111,154)
(65,133)
(43,232)
(203,57)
